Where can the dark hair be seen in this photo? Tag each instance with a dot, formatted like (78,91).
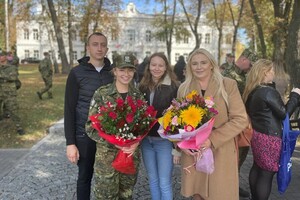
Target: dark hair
(147,82)
(97,34)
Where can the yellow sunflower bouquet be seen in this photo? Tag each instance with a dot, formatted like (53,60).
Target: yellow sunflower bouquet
(188,120)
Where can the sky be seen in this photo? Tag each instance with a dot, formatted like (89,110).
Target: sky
(142,6)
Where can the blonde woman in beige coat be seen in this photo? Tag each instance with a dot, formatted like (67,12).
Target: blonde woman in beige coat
(202,74)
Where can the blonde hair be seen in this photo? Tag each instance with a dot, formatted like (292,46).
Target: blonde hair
(256,75)
(190,82)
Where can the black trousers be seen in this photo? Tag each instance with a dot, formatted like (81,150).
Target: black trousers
(87,151)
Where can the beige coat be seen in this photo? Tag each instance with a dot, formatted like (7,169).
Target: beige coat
(223,183)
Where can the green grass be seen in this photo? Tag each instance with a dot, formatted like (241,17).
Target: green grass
(36,115)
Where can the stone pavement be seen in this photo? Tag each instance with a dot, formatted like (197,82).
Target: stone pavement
(44,173)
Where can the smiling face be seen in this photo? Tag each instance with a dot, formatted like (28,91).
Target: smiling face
(97,47)
(157,68)
(201,67)
(124,75)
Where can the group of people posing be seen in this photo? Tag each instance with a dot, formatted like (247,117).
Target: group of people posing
(95,80)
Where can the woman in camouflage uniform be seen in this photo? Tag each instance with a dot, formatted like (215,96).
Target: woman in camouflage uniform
(109,183)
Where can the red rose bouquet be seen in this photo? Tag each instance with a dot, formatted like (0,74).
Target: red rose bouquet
(124,123)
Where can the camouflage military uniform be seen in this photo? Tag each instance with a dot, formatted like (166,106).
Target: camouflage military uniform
(240,76)
(45,68)
(8,93)
(109,183)
(235,73)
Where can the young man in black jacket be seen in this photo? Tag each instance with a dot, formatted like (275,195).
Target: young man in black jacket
(92,72)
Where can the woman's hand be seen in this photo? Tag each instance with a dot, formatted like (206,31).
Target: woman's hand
(297,90)
(129,150)
(206,144)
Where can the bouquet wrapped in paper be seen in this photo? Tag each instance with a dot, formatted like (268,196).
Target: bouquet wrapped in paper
(188,121)
(124,123)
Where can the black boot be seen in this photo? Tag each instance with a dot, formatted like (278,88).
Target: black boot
(21,131)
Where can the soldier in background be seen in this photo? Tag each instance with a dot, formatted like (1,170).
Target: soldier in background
(229,62)
(8,91)
(45,68)
(238,72)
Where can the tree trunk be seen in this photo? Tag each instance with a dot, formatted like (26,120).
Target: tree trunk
(219,27)
(291,51)
(259,29)
(193,26)
(59,37)
(169,28)
(51,37)
(236,25)
(70,33)
(281,12)
(99,8)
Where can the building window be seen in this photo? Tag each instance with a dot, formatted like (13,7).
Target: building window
(176,56)
(26,34)
(131,35)
(148,36)
(228,39)
(35,34)
(207,38)
(200,38)
(75,55)
(27,54)
(186,56)
(186,39)
(36,54)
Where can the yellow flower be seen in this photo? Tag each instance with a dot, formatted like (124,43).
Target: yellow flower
(167,118)
(191,94)
(192,115)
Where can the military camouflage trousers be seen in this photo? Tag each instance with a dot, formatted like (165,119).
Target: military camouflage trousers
(48,86)
(109,183)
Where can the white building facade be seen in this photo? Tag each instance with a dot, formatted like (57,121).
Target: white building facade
(136,35)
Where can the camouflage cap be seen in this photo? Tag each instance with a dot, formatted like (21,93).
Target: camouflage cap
(124,61)
(250,55)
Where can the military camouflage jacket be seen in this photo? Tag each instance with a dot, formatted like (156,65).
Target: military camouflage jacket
(45,67)
(8,73)
(235,73)
(101,96)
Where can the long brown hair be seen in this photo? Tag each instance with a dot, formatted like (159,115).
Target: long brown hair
(147,81)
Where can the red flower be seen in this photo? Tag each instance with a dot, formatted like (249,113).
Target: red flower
(113,115)
(150,111)
(120,102)
(129,117)
(140,103)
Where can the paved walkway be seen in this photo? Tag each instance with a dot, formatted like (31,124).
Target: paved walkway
(44,173)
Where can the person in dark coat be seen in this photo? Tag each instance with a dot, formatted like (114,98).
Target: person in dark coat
(92,72)
(266,111)
(179,67)
(141,68)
